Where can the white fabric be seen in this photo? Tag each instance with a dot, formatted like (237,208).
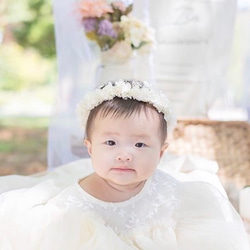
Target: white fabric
(77,62)
(244,55)
(193,48)
(244,203)
(192,168)
(166,214)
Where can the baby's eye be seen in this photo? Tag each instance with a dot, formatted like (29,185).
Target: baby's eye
(140,145)
(110,143)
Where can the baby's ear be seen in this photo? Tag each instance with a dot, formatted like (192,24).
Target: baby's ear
(87,143)
(163,148)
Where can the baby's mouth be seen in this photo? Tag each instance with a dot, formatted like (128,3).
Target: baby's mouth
(123,169)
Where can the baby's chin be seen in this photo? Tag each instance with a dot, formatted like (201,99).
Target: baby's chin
(125,180)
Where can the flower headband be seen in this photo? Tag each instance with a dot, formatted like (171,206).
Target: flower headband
(126,89)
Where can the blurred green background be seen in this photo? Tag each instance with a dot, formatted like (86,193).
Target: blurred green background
(27,44)
(27,84)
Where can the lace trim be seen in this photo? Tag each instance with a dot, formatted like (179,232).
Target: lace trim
(105,204)
(154,204)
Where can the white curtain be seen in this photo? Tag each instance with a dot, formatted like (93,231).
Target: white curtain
(76,68)
(242,58)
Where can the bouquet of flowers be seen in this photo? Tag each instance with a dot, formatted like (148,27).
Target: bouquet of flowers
(112,27)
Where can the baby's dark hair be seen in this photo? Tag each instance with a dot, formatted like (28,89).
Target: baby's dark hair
(118,107)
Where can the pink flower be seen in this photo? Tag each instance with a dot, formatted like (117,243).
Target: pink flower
(94,8)
(106,29)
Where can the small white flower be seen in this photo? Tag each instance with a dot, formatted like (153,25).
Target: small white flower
(136,33)
(122,212)
(137,90)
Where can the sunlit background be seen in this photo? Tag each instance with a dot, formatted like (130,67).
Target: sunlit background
(28,80)
(27,84)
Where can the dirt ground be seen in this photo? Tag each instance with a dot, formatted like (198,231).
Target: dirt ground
(23,150)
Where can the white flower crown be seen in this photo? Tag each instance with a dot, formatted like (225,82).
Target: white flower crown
(126,89)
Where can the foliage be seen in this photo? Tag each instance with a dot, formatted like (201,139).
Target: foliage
(31,22)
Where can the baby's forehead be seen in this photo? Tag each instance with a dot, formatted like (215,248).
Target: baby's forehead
(138,124)
(144,118)
(137,121)
(146,112)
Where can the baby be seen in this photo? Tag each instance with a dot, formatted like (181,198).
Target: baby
(126,202)
(125,139)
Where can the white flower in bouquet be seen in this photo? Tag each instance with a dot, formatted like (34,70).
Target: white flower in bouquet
(136,33)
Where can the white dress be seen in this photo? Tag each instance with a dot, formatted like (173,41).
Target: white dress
(52,212)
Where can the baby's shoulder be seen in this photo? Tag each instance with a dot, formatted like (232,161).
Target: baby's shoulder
(72,197)
(164,181)
(187,192)
(165,186)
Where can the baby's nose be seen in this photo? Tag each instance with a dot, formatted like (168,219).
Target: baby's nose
(124,156)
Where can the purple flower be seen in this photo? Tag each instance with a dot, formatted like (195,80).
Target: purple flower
(89,24)
(106,28)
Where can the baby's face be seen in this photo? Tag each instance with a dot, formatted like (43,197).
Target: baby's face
(126,151)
